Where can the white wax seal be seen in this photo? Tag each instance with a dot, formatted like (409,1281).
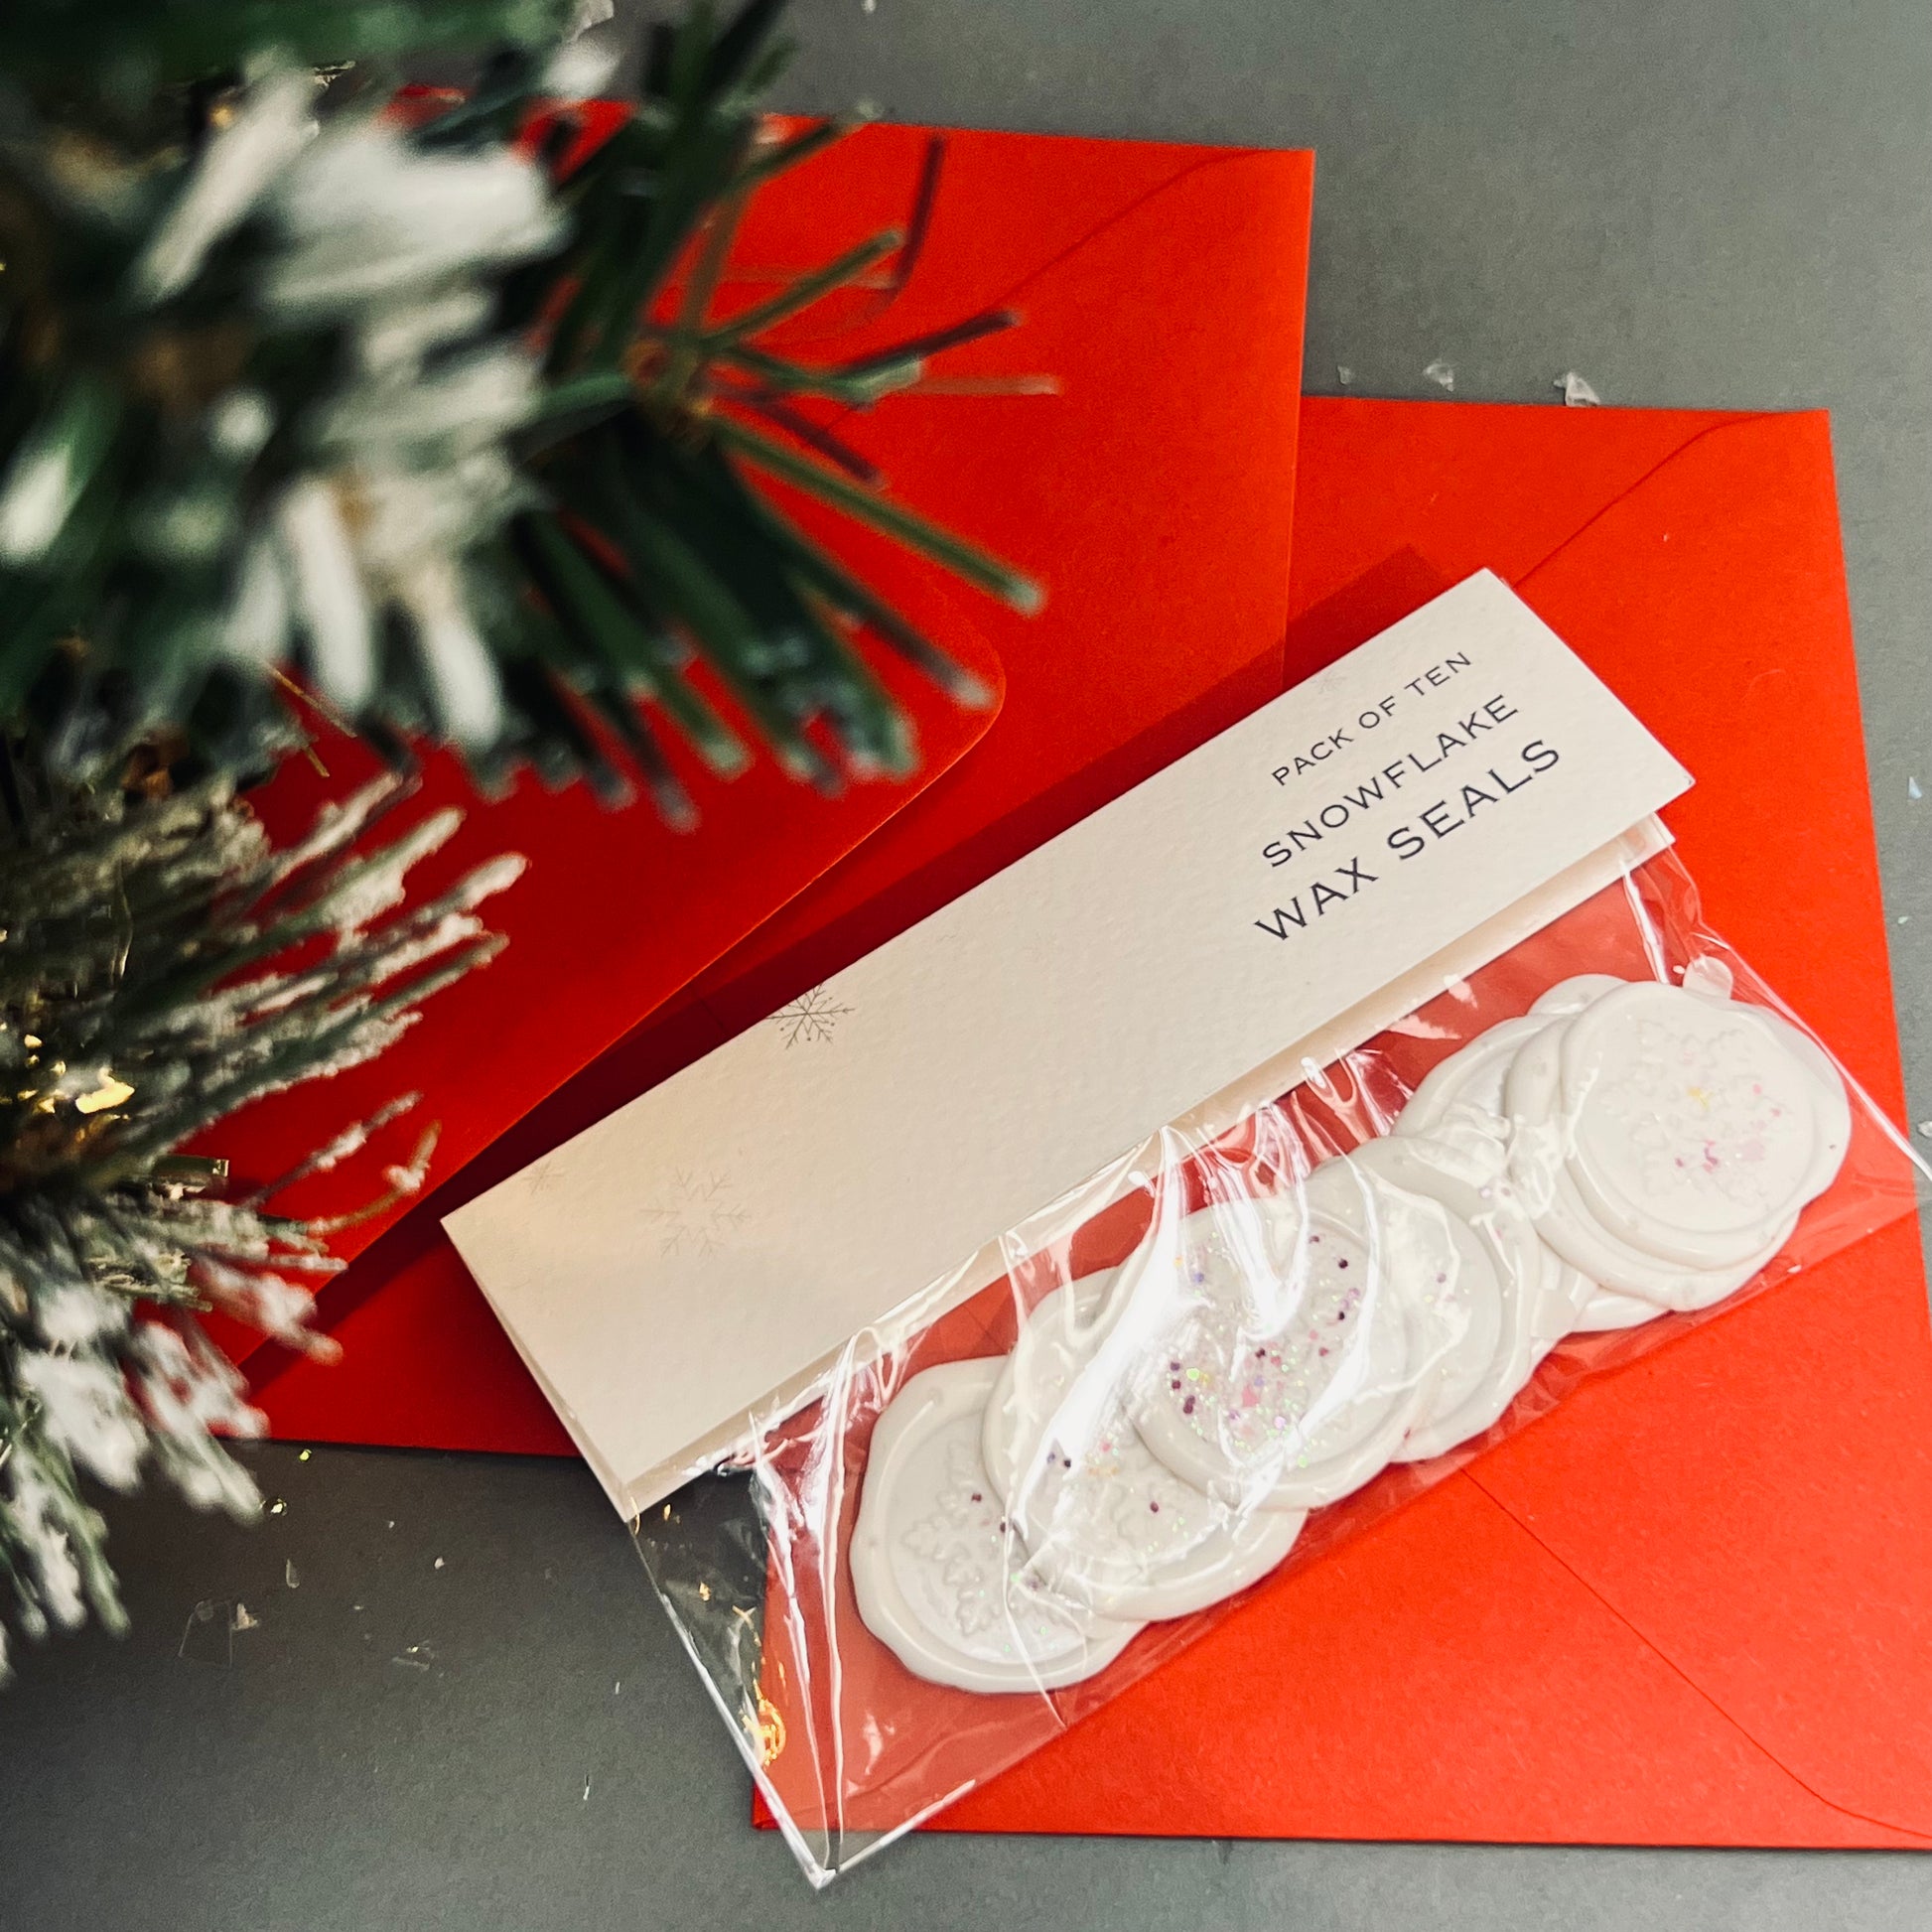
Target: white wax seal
(1040,1376)
(1572,996)
(1696,1128)
(1298,1368)
(1460,1103)
(938,1572)
(1567,1294)
(1103,1519)
(1540,1166)
(1496,1263)
(1470,1082)
(1606,1309)
(1464,1278)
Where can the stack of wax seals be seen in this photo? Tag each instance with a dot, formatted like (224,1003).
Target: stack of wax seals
(1159,1431)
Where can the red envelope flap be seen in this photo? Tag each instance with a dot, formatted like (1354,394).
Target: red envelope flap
(1754,1504)
(1463,487)
(1155,501)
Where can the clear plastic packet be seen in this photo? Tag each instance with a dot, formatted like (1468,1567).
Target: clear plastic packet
(1221,1357)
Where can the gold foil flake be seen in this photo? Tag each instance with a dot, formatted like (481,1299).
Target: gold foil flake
(771,1730)
(111,1093)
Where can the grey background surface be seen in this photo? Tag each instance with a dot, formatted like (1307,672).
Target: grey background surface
(1728,203)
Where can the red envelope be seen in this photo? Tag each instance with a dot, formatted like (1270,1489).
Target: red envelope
(1689,1608)
(1161,286)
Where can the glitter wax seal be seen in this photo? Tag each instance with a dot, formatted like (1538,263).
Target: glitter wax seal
(1696,1132)
(1296,1370)
(1103,1519)
(937,1571)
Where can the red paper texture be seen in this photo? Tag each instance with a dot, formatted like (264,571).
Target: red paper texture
(1152,495)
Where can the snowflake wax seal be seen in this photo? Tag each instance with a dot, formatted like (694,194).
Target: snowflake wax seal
(1697,1127)
(939,1576)
(1543,1170)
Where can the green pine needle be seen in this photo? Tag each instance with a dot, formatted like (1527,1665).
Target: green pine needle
(973,566)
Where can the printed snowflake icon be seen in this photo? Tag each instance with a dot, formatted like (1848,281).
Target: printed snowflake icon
(700,1220)
(812,1015)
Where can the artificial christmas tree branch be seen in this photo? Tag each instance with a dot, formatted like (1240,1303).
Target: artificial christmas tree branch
(414,411)
(162,964)
(297,387)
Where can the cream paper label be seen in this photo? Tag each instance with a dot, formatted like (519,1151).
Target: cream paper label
(1266,902)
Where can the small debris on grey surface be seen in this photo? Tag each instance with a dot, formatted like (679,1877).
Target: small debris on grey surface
(439,1563)
(1442,374)
(1344,374)
(415,1656)
(587,1787)
(1576,394)
(290,1574)
(245,1618)
(1913,790)
(305,1455)
(208,1637)
(278,1507)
